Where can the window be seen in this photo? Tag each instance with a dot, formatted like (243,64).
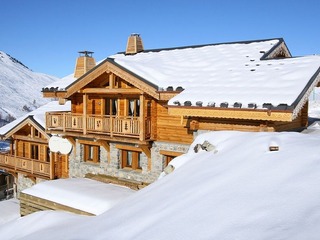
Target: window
(111,106)
(168,156)
(91,153)
(168,159)
(36,133)
(34,151)
(131,159)
(47,154)
(134,107)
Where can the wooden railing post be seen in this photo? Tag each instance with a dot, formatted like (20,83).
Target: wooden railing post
(111,126)
(64,119)
(15,153)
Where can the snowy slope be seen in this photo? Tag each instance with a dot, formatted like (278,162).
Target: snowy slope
(243,191)
(20,88)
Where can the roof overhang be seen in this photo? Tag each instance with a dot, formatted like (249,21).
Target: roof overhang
(107,66)
(27,121)
(231,113)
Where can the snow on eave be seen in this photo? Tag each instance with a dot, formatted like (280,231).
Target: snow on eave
(304,95)
(112,61)
(68,81)
(281,45)
(36,117)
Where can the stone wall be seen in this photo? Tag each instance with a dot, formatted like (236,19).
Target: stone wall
(23,183)
(79,168)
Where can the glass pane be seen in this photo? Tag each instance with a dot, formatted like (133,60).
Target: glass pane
(139,161)
(129,158)
(131,108)
(91,152)
(114,107)
(137,108)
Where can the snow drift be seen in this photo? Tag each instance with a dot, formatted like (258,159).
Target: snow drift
(240,191)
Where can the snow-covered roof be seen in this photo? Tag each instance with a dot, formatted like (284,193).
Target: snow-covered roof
(231,73)
(37,115)
(239,72)
(91,196)
(63,83)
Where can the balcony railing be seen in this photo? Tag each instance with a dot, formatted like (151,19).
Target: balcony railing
(97,124)
(27,166)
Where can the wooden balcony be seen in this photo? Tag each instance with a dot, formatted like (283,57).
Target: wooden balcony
(133,127)
(27,166)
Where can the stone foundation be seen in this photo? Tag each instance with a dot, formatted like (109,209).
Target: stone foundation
(112,167)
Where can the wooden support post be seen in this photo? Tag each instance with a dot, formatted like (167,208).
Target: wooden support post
(111,80)
(64,121)
(147,152)
(51,166)
(84,117)
(142,118)
(106,146)
(73,142)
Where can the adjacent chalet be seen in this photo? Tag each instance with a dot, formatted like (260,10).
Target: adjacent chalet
(136,110)
(30,159)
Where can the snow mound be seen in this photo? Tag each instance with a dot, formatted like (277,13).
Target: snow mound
(243,191)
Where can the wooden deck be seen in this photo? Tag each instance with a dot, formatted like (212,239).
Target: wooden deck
(27,166)
(134,127)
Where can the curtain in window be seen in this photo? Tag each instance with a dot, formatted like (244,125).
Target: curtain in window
(131,107)
(129,158)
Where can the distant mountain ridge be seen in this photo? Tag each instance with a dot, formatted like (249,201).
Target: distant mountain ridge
(20,88)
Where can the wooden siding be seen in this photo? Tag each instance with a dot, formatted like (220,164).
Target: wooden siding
(232,113)
(169,128)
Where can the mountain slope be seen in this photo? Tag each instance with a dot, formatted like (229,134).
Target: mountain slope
(20,88)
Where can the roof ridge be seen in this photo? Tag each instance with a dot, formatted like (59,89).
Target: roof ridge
(208,44)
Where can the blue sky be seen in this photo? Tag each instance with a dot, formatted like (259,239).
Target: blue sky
(47,35)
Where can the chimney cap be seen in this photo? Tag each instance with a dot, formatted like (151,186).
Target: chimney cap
(85,53)
(134,44)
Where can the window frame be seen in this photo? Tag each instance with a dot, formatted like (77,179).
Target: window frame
(135,161)
(34,151)
(91,153)
(168,156)
(135,112)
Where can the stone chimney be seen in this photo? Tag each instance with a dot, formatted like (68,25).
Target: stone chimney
(134,44)
(85,63)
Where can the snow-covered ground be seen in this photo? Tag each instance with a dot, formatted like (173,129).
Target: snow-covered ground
(240,191)
(9,210)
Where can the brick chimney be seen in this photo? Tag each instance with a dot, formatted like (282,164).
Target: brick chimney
(134,44)
(85,63)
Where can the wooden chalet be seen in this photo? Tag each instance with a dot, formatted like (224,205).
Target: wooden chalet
(30,159)
(136,110)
